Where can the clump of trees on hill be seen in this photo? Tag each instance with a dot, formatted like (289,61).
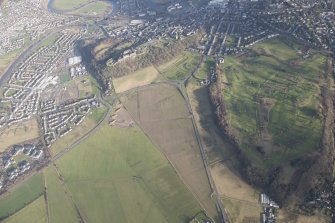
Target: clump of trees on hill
(154,54)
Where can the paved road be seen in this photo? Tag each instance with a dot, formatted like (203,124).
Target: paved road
(219,205)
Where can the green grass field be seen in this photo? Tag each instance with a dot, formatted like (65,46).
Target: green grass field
(83,7)
(22,196)
(64,77)
(114,179)
(6,59)
(68,5)
(34,212)
(107,178)
(11,92)
(180,68)
(95,85)
(273,101)
(164,116)
(97,114)
(50,41)
(57,194)
(95,9)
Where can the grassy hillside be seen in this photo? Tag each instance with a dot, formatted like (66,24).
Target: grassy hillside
(269,103)
(273,102)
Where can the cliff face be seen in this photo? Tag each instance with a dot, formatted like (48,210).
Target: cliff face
(311,171)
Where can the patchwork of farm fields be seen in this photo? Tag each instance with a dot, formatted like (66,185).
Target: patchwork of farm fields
(107,178)
(23,195)
(273,101)
(125,180)
(153,171)
(34,212)
(162,113)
